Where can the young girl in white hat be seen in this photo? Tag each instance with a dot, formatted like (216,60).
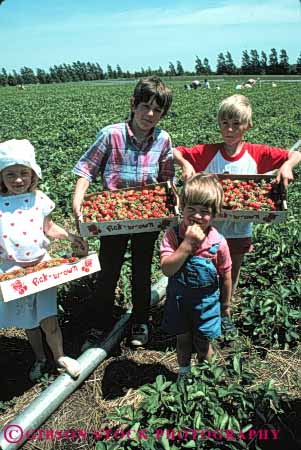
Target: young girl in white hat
(24,223)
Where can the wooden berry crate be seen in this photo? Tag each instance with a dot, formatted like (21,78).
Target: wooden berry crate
(127,226)
(257,216)
(47,278)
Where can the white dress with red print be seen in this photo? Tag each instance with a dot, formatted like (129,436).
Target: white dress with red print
(23,243)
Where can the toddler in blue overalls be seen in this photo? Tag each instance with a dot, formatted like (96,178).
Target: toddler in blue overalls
(196,259)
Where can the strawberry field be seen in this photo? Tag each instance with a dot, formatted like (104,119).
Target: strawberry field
(254,380)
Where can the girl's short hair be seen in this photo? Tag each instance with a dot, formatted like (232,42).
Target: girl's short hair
(32,187)
(153,87)
(236,107)
(203,189)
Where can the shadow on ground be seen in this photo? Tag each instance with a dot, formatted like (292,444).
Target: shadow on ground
(290,428)
(16,358)
(122,375)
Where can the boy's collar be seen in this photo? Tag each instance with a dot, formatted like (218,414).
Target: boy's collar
(234,156)
(151,136)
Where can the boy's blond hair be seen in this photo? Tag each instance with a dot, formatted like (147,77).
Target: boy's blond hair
(236,107)
(203,189)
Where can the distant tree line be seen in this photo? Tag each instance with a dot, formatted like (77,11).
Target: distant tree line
(258,64)
(252,63)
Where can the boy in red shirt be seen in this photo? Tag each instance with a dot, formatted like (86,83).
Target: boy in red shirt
(235,156)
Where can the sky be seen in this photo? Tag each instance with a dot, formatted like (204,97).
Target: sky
(137,33)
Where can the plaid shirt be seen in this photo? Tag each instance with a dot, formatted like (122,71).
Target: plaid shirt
(117,157)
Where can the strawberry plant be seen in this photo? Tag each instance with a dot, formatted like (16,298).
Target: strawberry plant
(187,414)
(271,286)
(270,316)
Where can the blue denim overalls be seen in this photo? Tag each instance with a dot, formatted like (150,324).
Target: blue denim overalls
(192,297)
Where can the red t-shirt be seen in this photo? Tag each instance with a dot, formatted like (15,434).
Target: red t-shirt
(252,159)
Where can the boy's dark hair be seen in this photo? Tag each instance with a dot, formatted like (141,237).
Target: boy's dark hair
(153,87)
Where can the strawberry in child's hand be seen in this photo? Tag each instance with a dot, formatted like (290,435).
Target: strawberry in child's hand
(194,234)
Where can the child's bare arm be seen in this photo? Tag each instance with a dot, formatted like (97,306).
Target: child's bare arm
(286,170)
(170,264)
(226,289)
(187,169)
(81,187)
(54,231)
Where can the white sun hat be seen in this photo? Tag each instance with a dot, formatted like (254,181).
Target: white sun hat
(18,151)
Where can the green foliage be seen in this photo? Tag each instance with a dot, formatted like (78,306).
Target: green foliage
(269,316)
(271,284)
(211,398)
(8,404)
(46,380)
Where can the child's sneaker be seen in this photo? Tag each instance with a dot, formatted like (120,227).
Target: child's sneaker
(38,369)
(94,339)
(70,365)
(139,334)
(228,327)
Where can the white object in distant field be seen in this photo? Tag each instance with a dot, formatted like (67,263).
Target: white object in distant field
(251,81)
(195,84)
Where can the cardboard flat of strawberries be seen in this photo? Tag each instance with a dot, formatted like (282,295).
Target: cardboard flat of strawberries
(257,212)
(46,278)
(97,225)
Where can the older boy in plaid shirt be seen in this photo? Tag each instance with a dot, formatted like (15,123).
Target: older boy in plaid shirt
(128,154)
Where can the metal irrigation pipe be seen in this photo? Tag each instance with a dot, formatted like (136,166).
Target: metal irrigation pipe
(296,145)
(21,428)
